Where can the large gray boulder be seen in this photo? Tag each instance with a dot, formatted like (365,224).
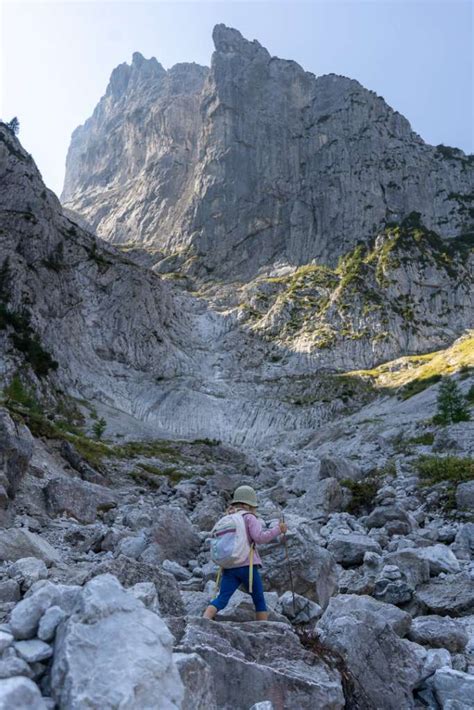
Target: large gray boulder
(20,693)
(175,535)
(313,568)
(463,546)
(320,499)
(79,499)
(465,496)
(452,689)
(439,632)
(16,543)
(113,652)
(439,557)
(339,468)
(349,550)
(252,662)
(386,668)
(452,595)
(414,568)
(365,608)
(387,514)
(130,572)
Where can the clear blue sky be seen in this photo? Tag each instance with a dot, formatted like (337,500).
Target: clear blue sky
(56,57)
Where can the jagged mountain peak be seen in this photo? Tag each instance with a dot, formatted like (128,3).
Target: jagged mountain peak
(256,162)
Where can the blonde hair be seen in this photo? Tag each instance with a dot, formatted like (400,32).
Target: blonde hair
(233,507)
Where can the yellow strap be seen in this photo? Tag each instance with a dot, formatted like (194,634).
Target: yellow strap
(218,579)
(251,569)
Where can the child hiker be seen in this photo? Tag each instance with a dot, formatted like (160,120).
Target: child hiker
(233,548)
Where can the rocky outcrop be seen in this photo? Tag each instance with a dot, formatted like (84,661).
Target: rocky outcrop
(254,163)
(114,651)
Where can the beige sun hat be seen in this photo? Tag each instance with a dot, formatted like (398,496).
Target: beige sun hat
(245,494)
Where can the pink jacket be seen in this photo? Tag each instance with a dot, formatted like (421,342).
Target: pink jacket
(257,534)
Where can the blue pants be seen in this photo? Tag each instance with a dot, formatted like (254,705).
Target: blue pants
(232,579)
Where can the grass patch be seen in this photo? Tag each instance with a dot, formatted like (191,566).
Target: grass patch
(152,474)
(448,470)
(438,469)
(412,374)
(426,439)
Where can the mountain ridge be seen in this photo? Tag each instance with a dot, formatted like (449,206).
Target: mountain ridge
(261,163)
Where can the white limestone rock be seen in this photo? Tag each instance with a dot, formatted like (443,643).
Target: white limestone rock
(114,652)
(20,693)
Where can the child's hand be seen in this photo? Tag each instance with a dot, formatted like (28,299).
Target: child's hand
(283,527)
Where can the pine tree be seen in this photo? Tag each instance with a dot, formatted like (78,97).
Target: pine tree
(99,428)
(451,404)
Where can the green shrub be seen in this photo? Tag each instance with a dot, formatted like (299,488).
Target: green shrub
(436,469)
(363,493)
(451,405)
(99,427)
(17,393)
(425,439)
(208,442)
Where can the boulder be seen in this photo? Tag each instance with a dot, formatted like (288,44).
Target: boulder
(321,498)
(27,571)
(175,535)
(198,681)
(299,609)
(414,569)
(113,652)
(439,557)
(78,499)
(207,512)
(392,592)
(349,549)
(16,449)
(6,639)
(177,570)
(313,568)
(384,514)
(26,615)
(465,496)
(451,596)
(129,572)
(385,666)
(339,468)
(365,608)
(17,543)
(49,622)
(253,662)
(439,632)
(33,650)
(452,689)
(9,591)
(20,693)
(146,593)
(463,546)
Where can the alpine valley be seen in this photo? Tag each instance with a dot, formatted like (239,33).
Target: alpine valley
(253,276)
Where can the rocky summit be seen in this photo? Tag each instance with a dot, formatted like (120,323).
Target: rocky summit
(256,277)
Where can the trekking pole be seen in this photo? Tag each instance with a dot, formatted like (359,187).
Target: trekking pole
(287,555)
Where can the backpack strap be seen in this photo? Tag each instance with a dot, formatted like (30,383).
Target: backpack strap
(218,580)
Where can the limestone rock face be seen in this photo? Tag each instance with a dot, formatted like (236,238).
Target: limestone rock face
(252,662)
(390,667)
(114,652)
(254,162)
